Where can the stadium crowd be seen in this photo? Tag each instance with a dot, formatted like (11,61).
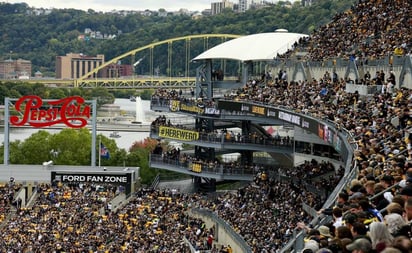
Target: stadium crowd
(78,218)
(370,29)
(381,128)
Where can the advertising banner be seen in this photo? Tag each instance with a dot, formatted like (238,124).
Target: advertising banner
(178,134)
(192,108)
(174,105)
(91,178)
(34,111)
(327,134)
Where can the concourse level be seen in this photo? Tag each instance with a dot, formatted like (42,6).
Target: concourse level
(202,169)
(220,141)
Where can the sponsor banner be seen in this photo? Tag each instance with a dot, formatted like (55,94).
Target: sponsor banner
(295,119)
(289,117)
(91,178)
(174,105)
(329,136)
(36,112)
(260,110)
(312,125)
(178,134)
(192,108)
(197,167)
(212,111)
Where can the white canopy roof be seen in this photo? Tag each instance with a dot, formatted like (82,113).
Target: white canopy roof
(256,47)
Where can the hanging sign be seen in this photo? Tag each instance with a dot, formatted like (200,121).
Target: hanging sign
(71,111)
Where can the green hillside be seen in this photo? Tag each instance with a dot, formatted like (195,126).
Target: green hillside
(39,37)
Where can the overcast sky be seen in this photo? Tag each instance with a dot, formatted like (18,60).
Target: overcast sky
(109,5)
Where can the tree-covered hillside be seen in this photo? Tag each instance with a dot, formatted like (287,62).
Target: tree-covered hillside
(41,37)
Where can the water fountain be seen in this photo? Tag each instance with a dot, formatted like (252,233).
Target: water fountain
(140,116)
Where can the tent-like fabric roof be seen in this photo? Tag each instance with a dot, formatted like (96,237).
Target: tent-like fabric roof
(256,47)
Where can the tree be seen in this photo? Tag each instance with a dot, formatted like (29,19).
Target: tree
(40,38)
(14,94)
(102,95)
(56,93)
(39,90)
(73,145)
(69,146)
(4,92)
(24,89)
(34,150)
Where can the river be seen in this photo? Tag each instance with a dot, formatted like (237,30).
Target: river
(125,140)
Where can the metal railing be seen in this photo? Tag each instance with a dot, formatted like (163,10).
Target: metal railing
(220,169)
(221,138)
(155,182)
(236,238)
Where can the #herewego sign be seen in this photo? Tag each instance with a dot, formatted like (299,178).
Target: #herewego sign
(71,111)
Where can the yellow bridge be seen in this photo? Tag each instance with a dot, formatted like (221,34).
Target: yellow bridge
(185,43)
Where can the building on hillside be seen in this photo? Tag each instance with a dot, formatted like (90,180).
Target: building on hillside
(206,12)
(307,2)
(117,70)
(15,69)
(77,65)
(38,74)
(218,7)
(244,5)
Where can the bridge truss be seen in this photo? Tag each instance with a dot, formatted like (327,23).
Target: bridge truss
(91,79)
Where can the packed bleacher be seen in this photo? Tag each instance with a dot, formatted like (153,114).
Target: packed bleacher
(76,218)
(381,126)
(7,200)
(369,30)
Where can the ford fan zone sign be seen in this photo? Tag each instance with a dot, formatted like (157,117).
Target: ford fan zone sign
(71,111)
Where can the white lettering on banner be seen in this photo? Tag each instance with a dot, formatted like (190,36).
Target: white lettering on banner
(113,179)
(271,113)
(211,110)
(94,179)
(305,124)
(71,178)
(295,119)
(245,108)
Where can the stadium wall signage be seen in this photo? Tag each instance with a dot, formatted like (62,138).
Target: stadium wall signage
(91,178)
(71,111)
(191,107)
(178,134)
(307,123)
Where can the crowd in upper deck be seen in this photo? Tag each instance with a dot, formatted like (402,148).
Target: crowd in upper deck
(370,29)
